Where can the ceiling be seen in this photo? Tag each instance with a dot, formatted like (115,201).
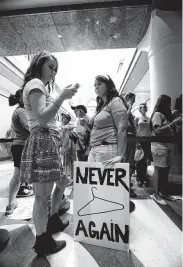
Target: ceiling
(138,82)
(118,24)
(137,74)
(79,30)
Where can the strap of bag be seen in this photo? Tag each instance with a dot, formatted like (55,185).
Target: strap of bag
(80,146)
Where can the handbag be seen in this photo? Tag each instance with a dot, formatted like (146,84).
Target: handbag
(139,153)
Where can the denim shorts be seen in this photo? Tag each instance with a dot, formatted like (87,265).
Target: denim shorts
(102,153)
(162,156)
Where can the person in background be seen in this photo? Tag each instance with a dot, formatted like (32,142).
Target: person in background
(143,129)
(81,133)
(108,138)
(68,148)
(178,129)
(178,104)
(41,159)
(128,101)
(68,157)
(162,123)
(19,126)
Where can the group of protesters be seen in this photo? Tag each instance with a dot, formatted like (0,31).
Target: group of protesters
(43,153)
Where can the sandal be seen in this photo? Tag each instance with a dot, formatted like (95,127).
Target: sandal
(24,192)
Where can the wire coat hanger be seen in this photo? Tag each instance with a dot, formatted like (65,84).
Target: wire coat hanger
(94,197)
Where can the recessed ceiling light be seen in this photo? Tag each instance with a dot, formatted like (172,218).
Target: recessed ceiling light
(117,35)
(113,19)
(59,36)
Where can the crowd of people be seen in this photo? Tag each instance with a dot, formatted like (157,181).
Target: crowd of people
(43,153)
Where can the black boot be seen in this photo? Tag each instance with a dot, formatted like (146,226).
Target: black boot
(45,245)
(132,206)
(133,194)
(56,225)
(140,183)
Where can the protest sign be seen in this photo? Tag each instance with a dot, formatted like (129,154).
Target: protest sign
(101,204)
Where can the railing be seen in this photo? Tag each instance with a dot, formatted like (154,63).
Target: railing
(160,138)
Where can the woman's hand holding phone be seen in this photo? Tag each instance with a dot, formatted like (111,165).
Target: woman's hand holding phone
(69,91)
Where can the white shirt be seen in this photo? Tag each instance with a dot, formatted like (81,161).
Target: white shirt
(32,121)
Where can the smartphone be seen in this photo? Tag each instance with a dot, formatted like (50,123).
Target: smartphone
(77,85)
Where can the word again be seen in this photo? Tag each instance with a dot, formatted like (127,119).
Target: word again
(94,176)
(112,232)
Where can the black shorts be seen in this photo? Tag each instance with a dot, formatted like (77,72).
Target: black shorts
(16,151)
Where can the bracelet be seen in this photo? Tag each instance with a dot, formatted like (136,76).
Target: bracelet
(56,105)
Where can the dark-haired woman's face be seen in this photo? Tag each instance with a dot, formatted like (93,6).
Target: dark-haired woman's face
(131,100)
(100,88)
(64,119)
(143,110)
(49,70)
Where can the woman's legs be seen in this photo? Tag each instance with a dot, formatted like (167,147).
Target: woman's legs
(14,185)
(163,180)
(149,154)
(16,151)
(57,195)
(141,171)
(163,184)
(146,148)
(156,175)
(45,244)
(156,184)
(40,215)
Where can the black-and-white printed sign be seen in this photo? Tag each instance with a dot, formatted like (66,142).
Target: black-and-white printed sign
(101,204)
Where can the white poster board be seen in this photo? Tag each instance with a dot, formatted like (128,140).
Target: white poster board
(101,204)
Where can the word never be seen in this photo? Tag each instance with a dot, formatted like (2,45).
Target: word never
(111,177)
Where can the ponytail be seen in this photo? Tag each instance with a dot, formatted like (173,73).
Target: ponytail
(13,100)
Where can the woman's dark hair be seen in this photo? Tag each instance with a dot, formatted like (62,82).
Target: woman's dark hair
(36,65)
(178,104)
(163,105)
(129,95)
(131,123)
(111,93)
(143,105)
(16,99)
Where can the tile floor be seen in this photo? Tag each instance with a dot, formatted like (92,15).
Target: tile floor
(155,237)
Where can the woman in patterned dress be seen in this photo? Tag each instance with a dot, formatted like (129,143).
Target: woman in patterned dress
(41,160)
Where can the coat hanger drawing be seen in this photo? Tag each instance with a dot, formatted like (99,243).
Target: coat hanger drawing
(117,205)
